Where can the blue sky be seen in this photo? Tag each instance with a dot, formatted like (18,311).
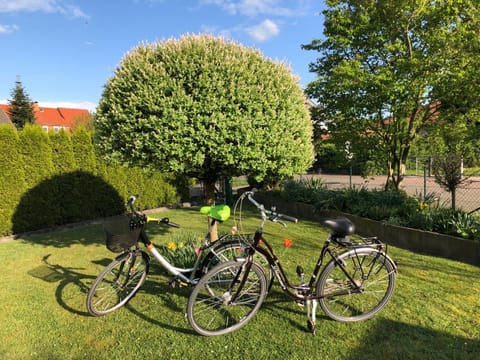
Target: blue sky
(63,51)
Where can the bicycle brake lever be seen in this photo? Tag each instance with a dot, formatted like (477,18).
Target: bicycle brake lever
(276,220)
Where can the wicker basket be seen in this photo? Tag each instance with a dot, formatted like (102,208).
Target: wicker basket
(121,233)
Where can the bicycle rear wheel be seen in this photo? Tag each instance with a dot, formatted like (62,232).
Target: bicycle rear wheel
(363,292)
(226,298)
(118,283)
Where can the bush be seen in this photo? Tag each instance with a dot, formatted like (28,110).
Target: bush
(389,206)
(55,179)
(12,177)
(377,205)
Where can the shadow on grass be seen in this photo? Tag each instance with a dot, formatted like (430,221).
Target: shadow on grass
(390,339)
(66,277)
(387,339)
(170,299)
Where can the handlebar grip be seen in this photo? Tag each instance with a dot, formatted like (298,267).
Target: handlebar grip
(289,218)
(167,221)
(131,200)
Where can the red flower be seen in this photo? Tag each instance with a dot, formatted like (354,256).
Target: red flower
(287,243)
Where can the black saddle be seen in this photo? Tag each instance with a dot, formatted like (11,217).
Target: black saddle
(340,227)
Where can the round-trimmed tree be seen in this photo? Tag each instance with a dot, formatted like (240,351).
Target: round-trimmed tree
(205,107)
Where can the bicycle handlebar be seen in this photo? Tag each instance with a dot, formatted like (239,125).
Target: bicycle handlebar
(165,220)
(272,214)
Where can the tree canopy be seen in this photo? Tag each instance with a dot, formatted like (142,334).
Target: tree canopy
(207,108)
(389,68)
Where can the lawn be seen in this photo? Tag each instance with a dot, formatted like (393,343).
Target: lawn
(433,313)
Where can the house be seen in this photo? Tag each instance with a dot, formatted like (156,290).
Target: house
(52,119)
(4,118)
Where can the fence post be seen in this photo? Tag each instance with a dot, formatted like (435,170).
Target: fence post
(424,180)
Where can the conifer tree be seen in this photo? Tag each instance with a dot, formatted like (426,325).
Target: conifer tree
(21,108)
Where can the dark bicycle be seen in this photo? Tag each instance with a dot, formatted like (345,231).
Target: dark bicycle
(354,285)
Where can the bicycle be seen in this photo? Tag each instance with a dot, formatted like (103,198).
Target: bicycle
(118,283)
(354,285)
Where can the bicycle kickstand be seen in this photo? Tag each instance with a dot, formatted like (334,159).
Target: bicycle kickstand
(311,315)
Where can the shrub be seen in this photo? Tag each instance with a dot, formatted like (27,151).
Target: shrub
(37,154)
(12,177)
(83,150)
(390,206)
(63,156)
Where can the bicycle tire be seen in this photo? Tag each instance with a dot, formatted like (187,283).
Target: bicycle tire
(118,283)
(369,268)
(209,310)
(231,250)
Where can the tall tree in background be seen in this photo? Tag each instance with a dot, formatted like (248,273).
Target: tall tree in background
(387,67)
(21,107)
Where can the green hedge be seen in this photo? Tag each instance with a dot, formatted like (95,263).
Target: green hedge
(54,179)
(12,176)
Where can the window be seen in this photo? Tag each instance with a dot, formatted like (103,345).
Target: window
(44,127)
(57,128)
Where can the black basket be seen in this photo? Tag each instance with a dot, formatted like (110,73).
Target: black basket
(121,233)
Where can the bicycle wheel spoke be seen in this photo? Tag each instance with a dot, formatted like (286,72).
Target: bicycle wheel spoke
(224,300)
(118,283)
(359,288)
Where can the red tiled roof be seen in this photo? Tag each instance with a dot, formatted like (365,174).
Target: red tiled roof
(64,117)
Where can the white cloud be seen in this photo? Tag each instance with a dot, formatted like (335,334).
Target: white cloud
(264,31)
(48,6)
(252,8)
(8,29)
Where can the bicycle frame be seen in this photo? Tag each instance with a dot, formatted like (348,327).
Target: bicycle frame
(303,292)
(186,275)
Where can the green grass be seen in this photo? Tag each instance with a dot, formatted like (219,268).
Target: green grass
(433,314)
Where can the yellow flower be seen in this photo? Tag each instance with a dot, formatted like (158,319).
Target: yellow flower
(181,245)
(172,246)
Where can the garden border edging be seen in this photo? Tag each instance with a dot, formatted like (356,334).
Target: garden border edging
(425,242)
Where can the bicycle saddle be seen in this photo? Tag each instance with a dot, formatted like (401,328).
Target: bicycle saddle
(341,227)
(218,212)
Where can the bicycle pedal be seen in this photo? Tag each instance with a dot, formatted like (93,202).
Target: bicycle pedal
(174,283)
(300,303)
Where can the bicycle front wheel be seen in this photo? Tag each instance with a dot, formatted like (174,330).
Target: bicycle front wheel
(118,283)
(222,252)
(226,298)
(356,285)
